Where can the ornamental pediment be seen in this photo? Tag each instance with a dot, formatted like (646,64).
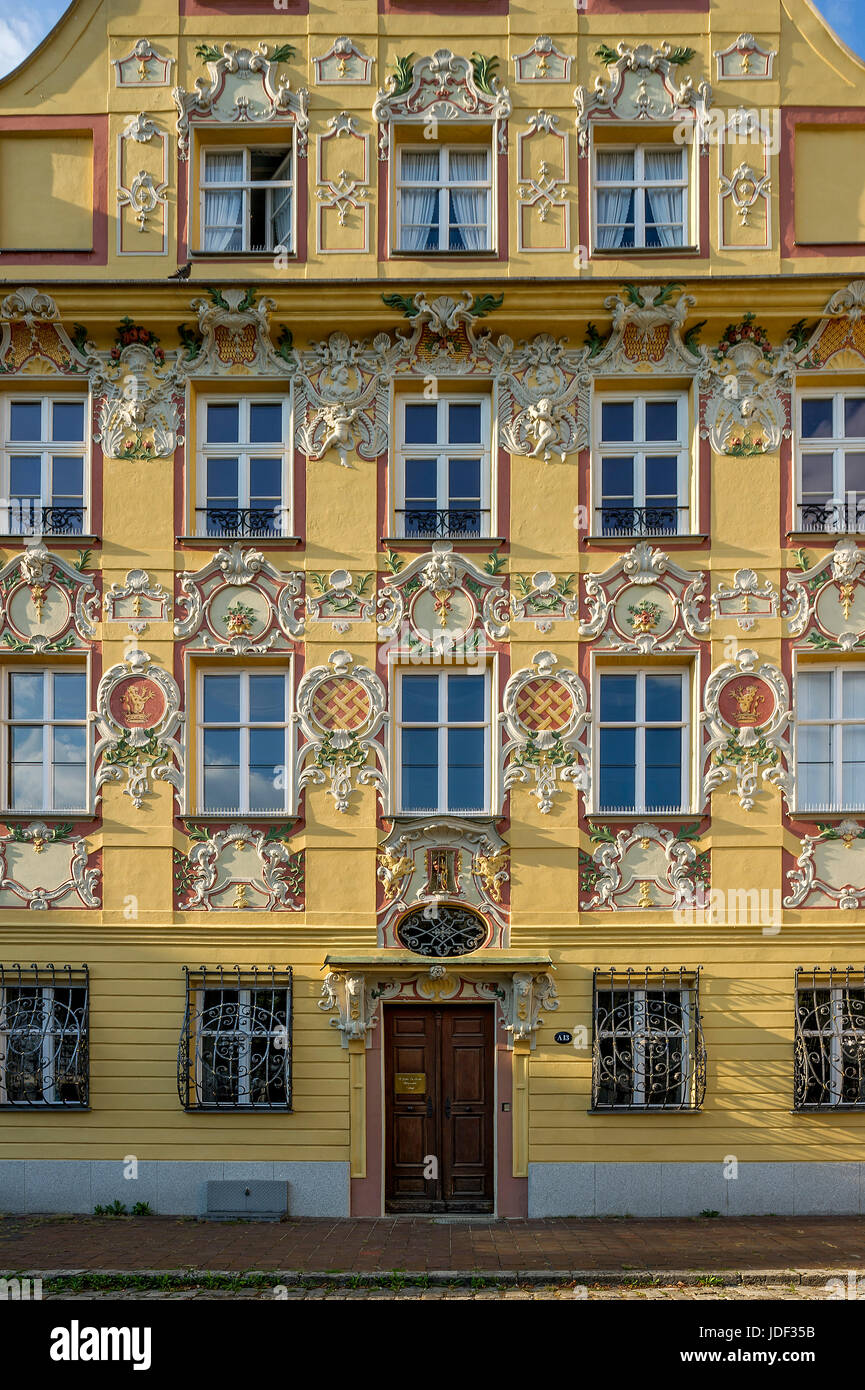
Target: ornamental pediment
(432,867)
(444,87)
(825,602)
(46,605)
(442,600)
(640,84)
(243,85)
(645,603)
(239,604)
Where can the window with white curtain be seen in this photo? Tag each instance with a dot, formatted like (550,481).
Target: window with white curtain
(641,197)
(246,199)
(443,199)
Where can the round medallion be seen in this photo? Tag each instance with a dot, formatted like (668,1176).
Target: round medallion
(238,613)
(746,702)
(544,703)
(438,612)
(340,703)
(137,702)
(39,609)
(442,929)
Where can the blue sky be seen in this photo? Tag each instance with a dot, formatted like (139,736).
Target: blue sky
(19,34)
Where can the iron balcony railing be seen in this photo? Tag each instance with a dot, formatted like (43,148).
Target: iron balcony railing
(613,519)
(829,1044)
(44,1054)
(833,517)
(241,521)
(27,517)
(449,523)
(648,1051)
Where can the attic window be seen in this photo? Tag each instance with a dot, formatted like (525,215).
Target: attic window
(246,199)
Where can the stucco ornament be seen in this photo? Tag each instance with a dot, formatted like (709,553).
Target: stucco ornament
(643,867)
(46,605)
(34,341)
(136,602)
(244,86)
(440,601)
(233,337)
(746,58)
(646,333)
(830,870)
(444,87)
(642,84)
(545,598)
(45,866)
(839,337)
(745,391)
(444,860)
(340,597)
(341,708)
(544,393)
(138,719)
(344,62)
(240,868)
(543,62)
(745,599)
(746,719)
(140,410)
(342,399)
(645,603)
(825,602)
(546,727)
(239,604)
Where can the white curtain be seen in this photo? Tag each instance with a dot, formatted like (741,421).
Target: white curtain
(664,205)
(419,205)
(223,211)
(614,203)
(470,206)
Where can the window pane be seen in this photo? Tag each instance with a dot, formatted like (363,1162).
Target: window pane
(464,483)
(817,474)
(664,164)
(67,480)
(464,423)
(617,479)
(27,695)
(69,744)
(266,788)
(618,698)
(221,699)
(27,791)
(618,768)
(663,697)
(223,424)
(223,167)
(267,699)
(265,480)
(615,166)
(853,695)
(468,166)
(420,699)
(814,743)
(465,787)
(27,743)
(815,784)
(662,421)
(222,747)
(662,477)
(69,787)
(815,694)
(419,769)
(265,424)
(854,473)
(817,417)
(617,421)
(421,424)
(419,166)
(465,699)
(854,417)
(25,475)
(420,481)
(267,165)
(221,789)
(25,421)
(70,696)
(222,481)
(67,422)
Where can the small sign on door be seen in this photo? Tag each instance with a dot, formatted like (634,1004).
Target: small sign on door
(409,1083)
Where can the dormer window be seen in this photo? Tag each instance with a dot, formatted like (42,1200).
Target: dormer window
(641,197)
(246,199)
(444,196)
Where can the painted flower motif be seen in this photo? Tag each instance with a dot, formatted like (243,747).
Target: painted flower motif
(239,619)
(645,615)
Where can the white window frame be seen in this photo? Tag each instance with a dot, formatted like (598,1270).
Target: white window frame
(245,186)
(685,724)
(46,449)
(639,184)
(640,450)
(282,669)
(244,1001)
(48,724)
(441,451)
(483,673)
(444,184)
(838,445)
(243,451)
(835,723)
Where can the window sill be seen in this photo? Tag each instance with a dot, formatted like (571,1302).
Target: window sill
(230,816)
(836,813)
(237,1109)
(622,253)
(683,540)
(35,1106)
(827,1109)
(412,817)
(645,1110)
(8,538)
(423,543)
(625,816)
(266,542)
(488,255)
(242,255)
(804,537)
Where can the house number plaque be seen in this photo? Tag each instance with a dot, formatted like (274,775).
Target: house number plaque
(410,1083)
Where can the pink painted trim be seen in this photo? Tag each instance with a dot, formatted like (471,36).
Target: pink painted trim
(300,251)
(383,210)
(791,118)
(703,228)
(367,1194)
(98,127)
(182,211)
(788,491)
(659,7)
(409,7)
(512,1194)
(503,208)
(244,7)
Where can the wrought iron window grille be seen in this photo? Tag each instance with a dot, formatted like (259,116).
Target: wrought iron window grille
(454,523)
(442,929)
(829,1043)
(658,520)
(242,521)
(235,1046)
(29,518)
(648,1051)
(44,1037)
(833,517)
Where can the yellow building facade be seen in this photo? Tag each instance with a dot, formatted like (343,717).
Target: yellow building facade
(432,612)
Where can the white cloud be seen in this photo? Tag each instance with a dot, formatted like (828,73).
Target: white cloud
(19,36)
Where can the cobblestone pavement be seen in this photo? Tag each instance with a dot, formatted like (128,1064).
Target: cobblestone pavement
(669,1292)
(425,1244)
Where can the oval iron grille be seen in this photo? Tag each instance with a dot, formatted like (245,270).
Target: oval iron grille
(442,929)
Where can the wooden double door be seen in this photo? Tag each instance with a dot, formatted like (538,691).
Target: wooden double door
(439,1108)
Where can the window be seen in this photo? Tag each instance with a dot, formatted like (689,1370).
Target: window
(648,1051)
(46,723)
(641,197)
(444,742)
(43,442)
(243,742)
(443,467)
(832,461)
(643,744)
(246,199)
(235,1048)
(444,199)
(641,481)
(830,738)
(829,1067)
(43,1036)
(244,470)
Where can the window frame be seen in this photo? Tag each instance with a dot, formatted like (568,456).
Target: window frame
(46,449)
(37,978)
(191,1076)
(640,449)
(79,669)
(243,450)
(441,452)
(837,445)
(836,983)
(205,669)
(688,184)
(638,986)
(481,672)
(199,154)
(445,147)
(835,722)
(686,724)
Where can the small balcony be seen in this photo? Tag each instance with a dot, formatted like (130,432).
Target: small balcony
(25,516)
(612,519)
(251,522)
(442,523)
(833,517)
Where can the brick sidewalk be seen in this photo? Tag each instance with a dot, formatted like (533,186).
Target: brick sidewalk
(417,1244)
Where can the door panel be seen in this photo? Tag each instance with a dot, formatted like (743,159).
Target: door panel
(439,1099)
